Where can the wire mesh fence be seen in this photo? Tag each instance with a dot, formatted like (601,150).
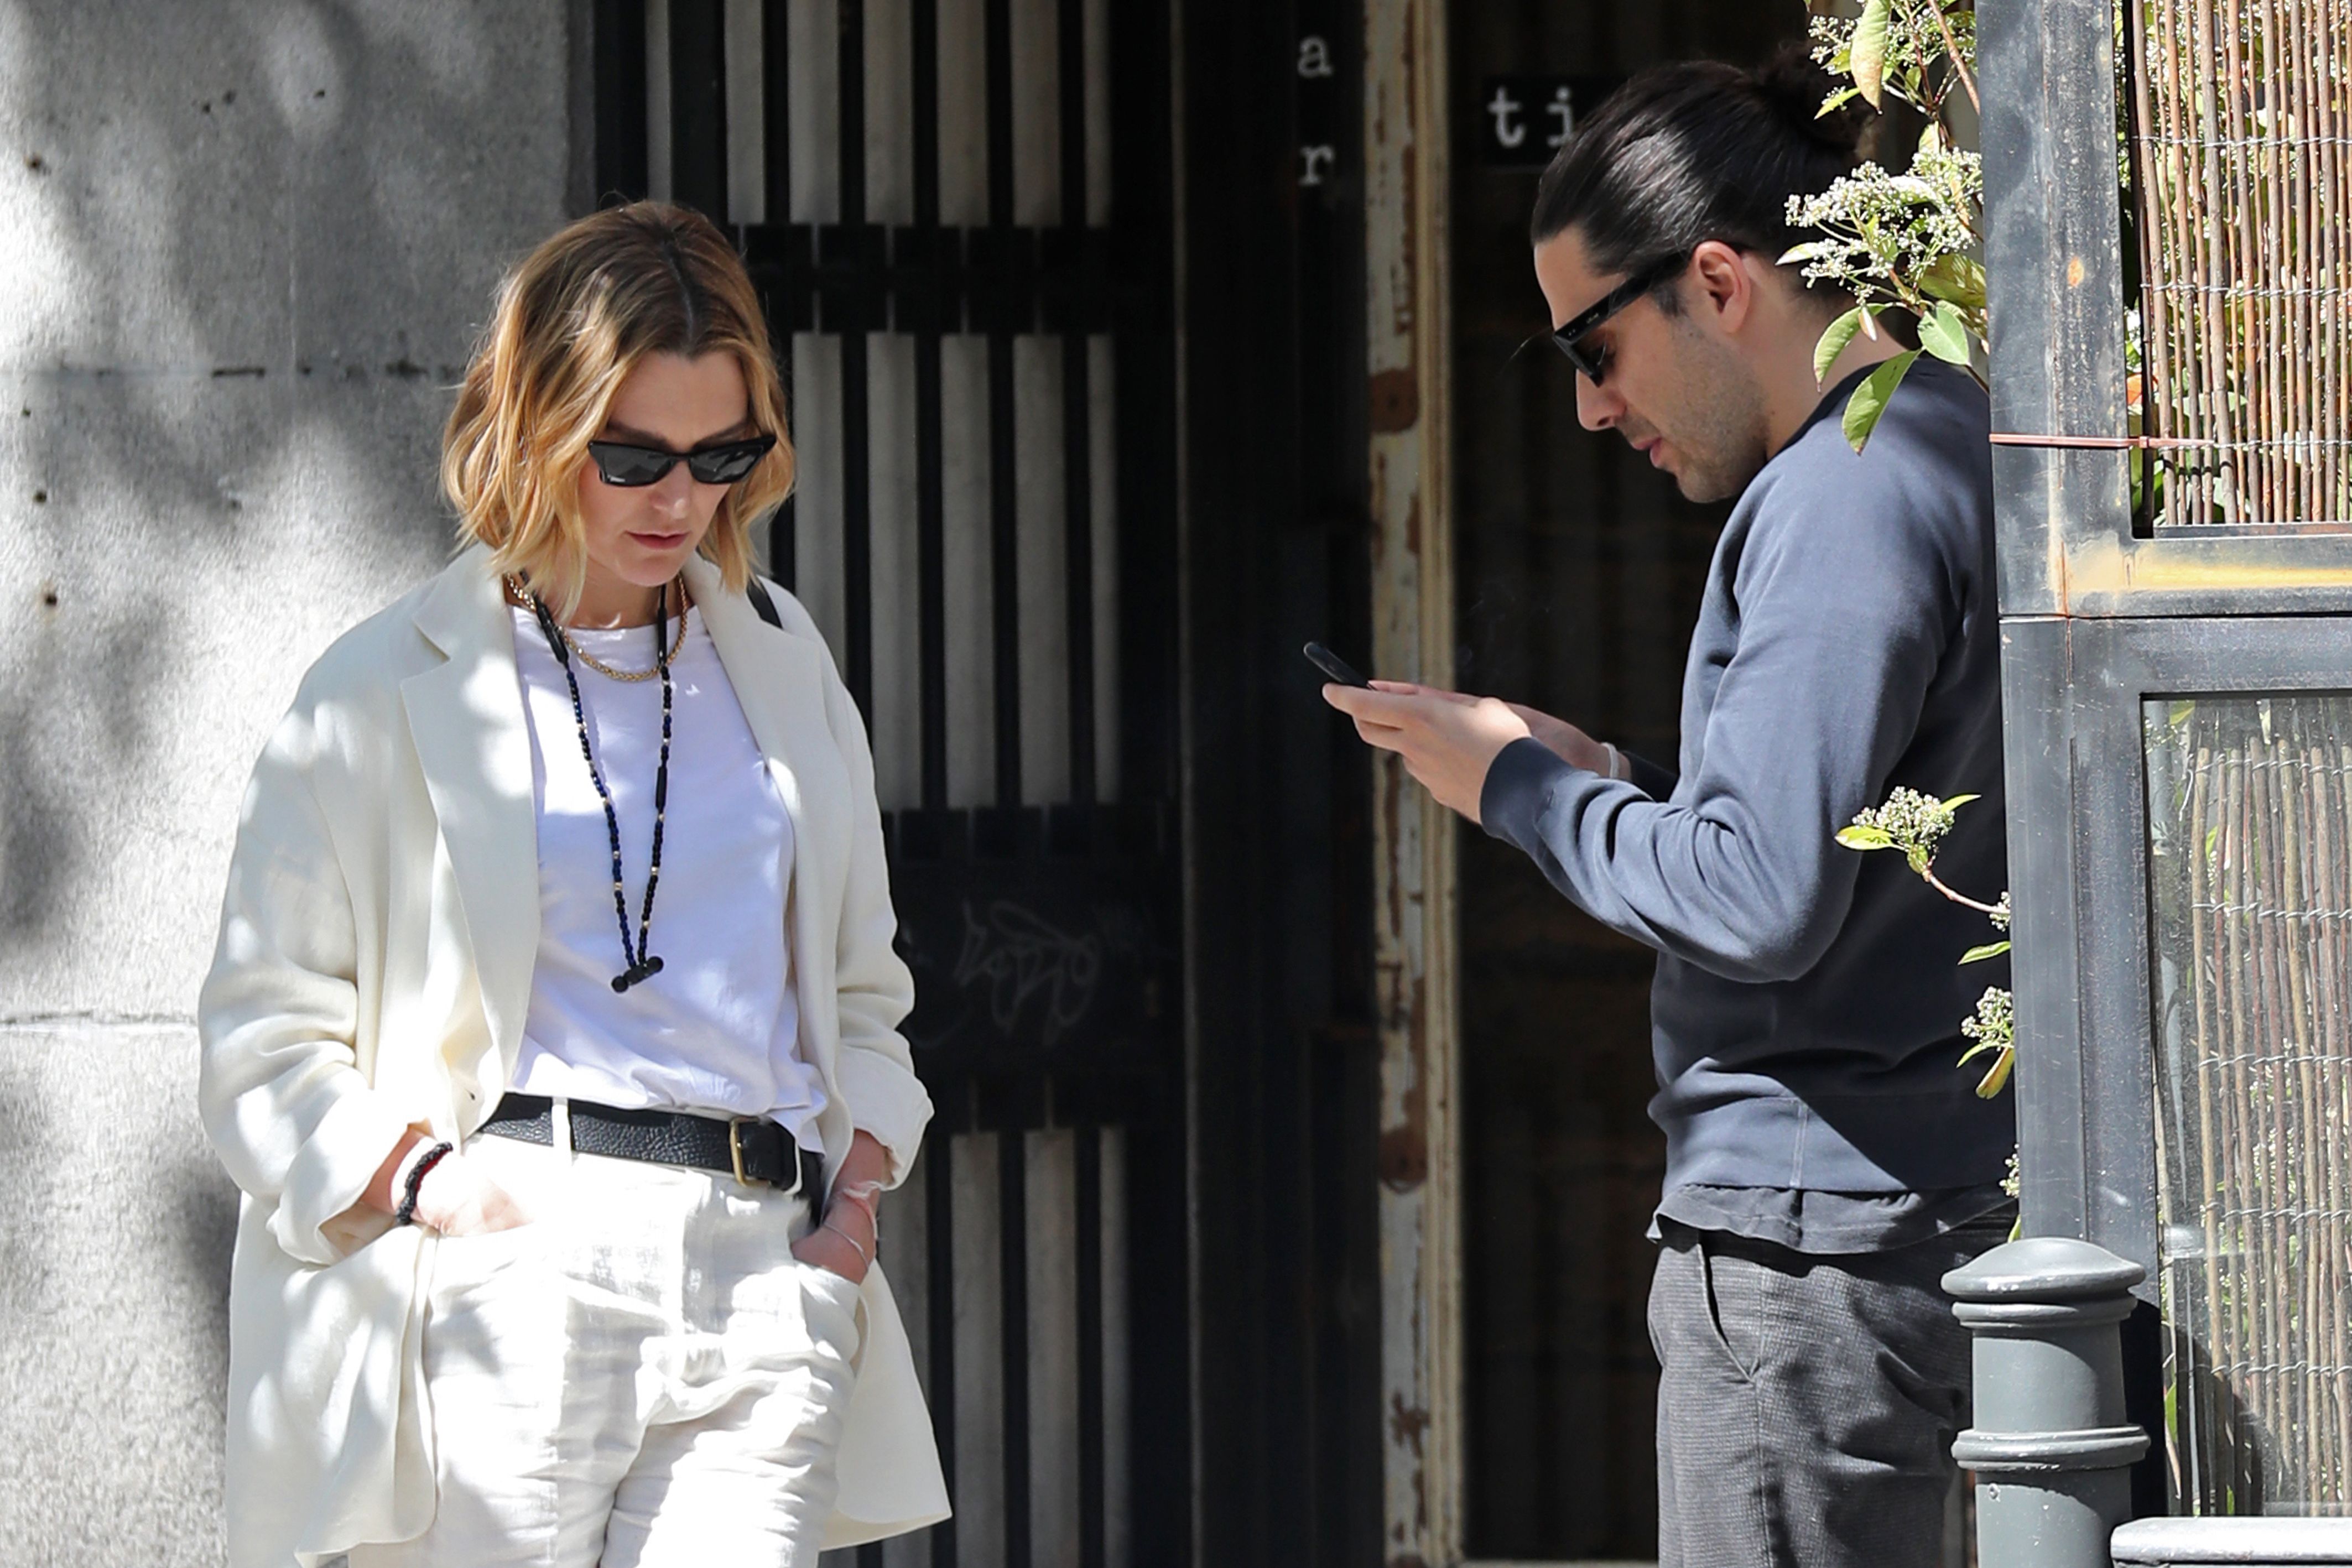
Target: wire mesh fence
(2242,165)
(2250,811)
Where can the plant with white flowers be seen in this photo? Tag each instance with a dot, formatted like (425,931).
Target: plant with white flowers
(1911,240)
(1916,824)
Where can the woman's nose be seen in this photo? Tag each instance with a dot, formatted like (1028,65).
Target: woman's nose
(674,491)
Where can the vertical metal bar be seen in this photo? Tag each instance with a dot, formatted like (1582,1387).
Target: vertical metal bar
(2156,369)
(939,1323)
(1160,1503)
(1143,246)
(697,106)
(1004,492)
(857,481)
(931,504)
(776,140)
(775,109)
(783,562)
(1077,468)
(619,74)
(1094,1549)
(2048,78)
(1012,1233)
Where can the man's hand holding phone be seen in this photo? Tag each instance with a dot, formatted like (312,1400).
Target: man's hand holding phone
(1448,739)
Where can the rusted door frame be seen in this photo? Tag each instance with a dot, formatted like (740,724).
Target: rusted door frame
(1414,923)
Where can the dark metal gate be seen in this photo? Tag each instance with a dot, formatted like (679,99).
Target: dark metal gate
(957,213)
(2177,693)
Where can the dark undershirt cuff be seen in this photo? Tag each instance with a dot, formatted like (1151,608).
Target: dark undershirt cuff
(1518,786)
(1646,776)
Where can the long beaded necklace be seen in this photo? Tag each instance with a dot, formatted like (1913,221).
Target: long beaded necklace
(642,964)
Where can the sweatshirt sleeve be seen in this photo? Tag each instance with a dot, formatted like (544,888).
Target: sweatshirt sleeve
(1843,607)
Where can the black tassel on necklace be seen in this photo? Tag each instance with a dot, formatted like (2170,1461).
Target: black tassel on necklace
(642,965)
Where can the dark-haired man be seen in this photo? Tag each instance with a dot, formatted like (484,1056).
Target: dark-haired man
(1827,1161)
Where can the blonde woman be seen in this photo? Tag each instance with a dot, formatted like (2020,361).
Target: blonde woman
(553,1033)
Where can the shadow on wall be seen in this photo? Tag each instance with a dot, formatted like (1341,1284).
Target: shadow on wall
(246,245)
(113,1283)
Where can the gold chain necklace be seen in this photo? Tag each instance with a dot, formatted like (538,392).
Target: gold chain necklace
(523,596)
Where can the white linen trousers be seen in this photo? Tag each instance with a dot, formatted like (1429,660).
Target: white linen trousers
(642,1376)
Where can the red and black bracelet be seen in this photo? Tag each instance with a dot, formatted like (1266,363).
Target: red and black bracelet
(406,1213)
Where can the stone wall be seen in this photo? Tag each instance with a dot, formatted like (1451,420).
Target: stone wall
(245,246)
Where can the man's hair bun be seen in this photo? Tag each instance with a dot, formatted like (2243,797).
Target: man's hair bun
(1696,151)
(1795,86)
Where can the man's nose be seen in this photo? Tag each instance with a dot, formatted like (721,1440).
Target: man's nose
(1597,408)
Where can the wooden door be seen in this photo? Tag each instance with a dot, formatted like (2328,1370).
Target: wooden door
(1577,580)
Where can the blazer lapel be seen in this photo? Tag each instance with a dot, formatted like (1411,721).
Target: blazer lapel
(473,743)
(778,679)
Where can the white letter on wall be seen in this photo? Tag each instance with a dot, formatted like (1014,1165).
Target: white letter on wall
(1506,110)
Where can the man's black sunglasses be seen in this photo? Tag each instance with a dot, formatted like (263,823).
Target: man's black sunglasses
(1570,337)
(632,468)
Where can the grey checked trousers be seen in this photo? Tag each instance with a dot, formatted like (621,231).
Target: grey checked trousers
(1808,1404)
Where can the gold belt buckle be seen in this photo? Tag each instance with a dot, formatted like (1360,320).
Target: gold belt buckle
(735,1126)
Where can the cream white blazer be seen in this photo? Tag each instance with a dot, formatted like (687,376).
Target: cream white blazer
(373,973)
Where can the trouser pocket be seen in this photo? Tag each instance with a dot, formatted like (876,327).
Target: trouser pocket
(835,1312)
(1702,1309)
(1733,1289)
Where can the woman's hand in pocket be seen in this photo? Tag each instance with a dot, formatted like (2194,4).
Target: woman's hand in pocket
(457,1199)
(828,1248)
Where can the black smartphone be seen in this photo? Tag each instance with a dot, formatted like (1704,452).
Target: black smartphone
(1331,664)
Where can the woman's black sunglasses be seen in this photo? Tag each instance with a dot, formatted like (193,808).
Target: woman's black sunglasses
(1571,335)
(632,468)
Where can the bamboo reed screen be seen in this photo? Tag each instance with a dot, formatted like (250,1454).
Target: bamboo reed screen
(2241,160)
(2250,811)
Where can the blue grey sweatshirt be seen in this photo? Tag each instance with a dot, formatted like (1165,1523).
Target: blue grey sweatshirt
(1806,1013)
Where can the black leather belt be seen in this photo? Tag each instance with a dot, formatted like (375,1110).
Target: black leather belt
(750,1148)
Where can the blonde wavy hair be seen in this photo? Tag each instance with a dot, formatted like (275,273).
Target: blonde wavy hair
(570,323)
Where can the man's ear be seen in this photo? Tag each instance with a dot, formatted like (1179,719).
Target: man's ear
(1722,285)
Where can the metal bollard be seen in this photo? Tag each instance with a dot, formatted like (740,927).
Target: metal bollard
(2051,1449)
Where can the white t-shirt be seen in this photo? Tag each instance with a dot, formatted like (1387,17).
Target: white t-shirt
(717,1032)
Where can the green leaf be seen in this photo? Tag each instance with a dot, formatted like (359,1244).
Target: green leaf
(1811,250)
(1870,51)
(1835,338)
(1858,837)
(1995,1080)
(1990,950)
(1931,139)
(1943,333)
(1869,400)
(1837,101)
(1954,803)
(1958,279)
